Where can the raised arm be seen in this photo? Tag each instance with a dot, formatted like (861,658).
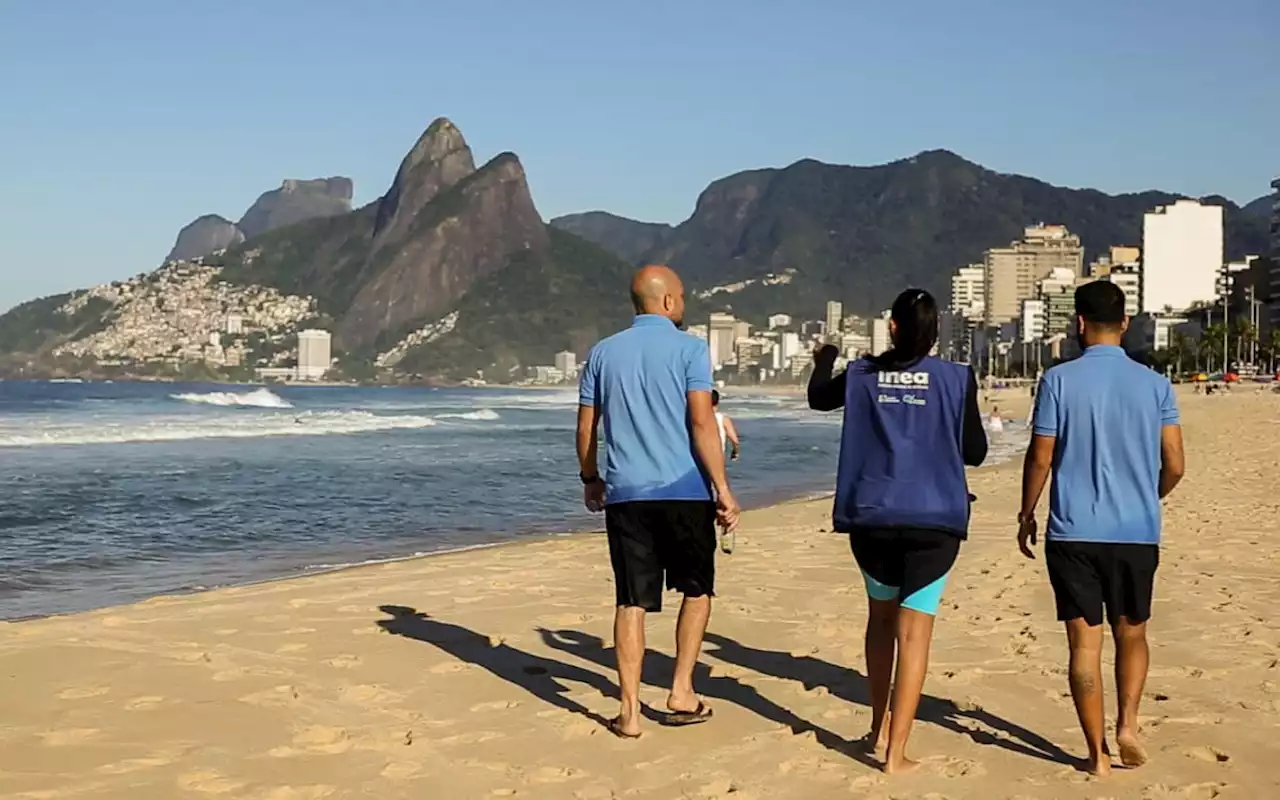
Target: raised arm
(825,392)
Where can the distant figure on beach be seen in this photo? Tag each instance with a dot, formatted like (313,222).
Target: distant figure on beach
(911,424)
(664,487)
(1107,429)
(728,433)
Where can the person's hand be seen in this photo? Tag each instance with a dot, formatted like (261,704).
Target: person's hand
(826,351)
(1027,535)
(734,455)
(593,496)
(727,511)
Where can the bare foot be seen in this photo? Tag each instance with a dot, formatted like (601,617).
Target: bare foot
(874,743)
(685,703)
(1132,753)
(899,765)
(1099,767)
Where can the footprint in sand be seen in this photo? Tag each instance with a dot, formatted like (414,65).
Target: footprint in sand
(135,765)
(366,693)
(447,667)
(545,775)
(291,647)
(298,792)
(1211,754)
(145,703)
(1192,791)
(951,767)
(82,692)
(401,770)
(208,782)
(344,661)
(68,736)
(496,705)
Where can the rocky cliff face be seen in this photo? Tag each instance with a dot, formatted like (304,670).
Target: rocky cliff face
(296,201)
(408,258)
(426,259)
(205,235)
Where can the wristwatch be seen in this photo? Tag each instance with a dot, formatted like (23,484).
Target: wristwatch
(589,480)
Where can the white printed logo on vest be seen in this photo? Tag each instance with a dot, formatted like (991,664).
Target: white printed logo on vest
(904,380)
(913,381)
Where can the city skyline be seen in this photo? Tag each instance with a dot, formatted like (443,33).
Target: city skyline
(164,157)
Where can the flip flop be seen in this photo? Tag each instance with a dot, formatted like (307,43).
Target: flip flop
(696,717)
(615,727)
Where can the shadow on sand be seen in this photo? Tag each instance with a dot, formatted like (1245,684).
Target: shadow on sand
(543,678)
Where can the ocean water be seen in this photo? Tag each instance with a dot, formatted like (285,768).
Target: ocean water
(116,492)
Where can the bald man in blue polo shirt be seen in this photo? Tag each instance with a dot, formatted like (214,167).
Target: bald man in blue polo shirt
(1107,429)
(664,486)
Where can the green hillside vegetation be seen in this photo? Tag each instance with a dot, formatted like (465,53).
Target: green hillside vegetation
(533,308)
(36,325)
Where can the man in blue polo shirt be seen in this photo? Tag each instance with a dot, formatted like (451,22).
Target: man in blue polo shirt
(663,488)
(1107,428)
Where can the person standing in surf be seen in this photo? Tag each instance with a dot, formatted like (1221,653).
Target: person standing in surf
(911,425)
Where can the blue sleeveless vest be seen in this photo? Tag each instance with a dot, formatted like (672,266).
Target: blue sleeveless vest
(900,450)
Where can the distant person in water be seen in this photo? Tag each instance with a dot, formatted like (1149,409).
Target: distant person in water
(996,423)
(664,487)
(1107,429)
(728,433)
(911,424)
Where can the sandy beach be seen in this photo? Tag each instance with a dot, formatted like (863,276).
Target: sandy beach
(487,673)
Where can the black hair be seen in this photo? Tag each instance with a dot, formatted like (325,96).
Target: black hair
(1100,303)
(715,397)
(915,315)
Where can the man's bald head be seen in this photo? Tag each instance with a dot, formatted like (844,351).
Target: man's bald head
(656,289)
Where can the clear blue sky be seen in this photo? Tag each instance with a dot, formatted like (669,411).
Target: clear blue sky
(124,120)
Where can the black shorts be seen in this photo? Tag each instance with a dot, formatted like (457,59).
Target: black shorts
(648,538)
(1089,577)
(909,565)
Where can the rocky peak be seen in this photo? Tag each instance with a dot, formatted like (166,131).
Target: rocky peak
(297,201)
(438,160)
(204,235)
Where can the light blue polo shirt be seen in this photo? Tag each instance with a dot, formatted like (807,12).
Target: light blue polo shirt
(1106,411)
(638,379)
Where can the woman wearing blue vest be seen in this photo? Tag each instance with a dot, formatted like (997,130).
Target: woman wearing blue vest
(911,424)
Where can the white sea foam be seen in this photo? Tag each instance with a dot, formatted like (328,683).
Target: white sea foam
(258,398)
(479,415)
(176,429)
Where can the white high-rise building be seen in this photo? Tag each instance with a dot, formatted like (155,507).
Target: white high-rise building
(1031,326)
(722,332)
(779,321)
(1181,255)
(790,346)
(835,317)
(314,354)
(969,291)
(880,334)
(567,362)
(1130,282)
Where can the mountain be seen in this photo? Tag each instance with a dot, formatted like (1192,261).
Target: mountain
(451,272)
(1259,208)
(627,238)
(404,261)
(203,236)
(295,201)
(861,234)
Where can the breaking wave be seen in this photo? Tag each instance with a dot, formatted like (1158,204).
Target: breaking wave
(479,415)
(176,429)
(258,398)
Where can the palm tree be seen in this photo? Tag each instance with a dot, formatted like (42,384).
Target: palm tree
(1273,347)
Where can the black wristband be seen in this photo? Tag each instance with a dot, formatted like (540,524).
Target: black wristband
(587,481)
